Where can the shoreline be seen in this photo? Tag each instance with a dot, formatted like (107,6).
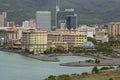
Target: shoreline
(40,57)
(104,60)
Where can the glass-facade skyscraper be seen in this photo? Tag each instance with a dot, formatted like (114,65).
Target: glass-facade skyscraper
(43,20)
(66,17)
(71,22)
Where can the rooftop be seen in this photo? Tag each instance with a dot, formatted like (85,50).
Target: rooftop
(34,30)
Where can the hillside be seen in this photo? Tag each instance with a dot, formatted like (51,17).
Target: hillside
(106,75)
(89,11)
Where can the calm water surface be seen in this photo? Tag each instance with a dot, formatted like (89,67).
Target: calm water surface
(16,67)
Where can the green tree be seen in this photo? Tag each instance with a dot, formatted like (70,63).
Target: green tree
(71,48)
(97,61)
(95,70)
(92,40)
(60,48)
(104,47)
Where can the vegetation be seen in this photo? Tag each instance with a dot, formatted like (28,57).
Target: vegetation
(104,47)
(85,74)
(60,48)
(63,77)
(95,70)
(107,68)
(111,79)
(92,40)
(104,75)
(30,52)
(95,11)
(115,43)
(90,61)
(97,61)
(71,48)
(118,67)
(60,77)
(51,77)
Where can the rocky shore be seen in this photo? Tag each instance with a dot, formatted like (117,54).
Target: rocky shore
(44,58)
(38,57)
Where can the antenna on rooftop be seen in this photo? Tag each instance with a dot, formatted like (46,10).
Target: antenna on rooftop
(57,10)
(57,5)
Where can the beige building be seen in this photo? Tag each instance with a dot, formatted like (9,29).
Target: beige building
(13,35)
(114,29)
(3,22)
(70,37)
(34,41)
(99,36)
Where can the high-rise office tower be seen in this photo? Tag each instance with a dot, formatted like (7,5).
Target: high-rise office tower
(71,21)
(43,20)
(3,19)
(62,17)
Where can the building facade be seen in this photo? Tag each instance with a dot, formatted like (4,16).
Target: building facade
(70,37)
(25,24)
(43,20)
(3,19)
(12,36)
(114,29)
(99,36)
(10,24)
(71,22)
(34,41)
(66,17)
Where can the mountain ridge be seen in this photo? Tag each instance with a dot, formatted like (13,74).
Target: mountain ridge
(89,11)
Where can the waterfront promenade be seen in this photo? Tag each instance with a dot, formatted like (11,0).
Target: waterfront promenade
(104,60)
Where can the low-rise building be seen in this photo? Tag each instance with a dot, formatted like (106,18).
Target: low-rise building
(13,35)
(34,41)
(101,37)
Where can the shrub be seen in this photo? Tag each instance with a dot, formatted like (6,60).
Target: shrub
(118,66)
(95,70)
(111,79)
(97,61)
(89,61)
(106,68)
(84,74)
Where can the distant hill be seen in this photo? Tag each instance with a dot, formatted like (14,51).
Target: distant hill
(89,11)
